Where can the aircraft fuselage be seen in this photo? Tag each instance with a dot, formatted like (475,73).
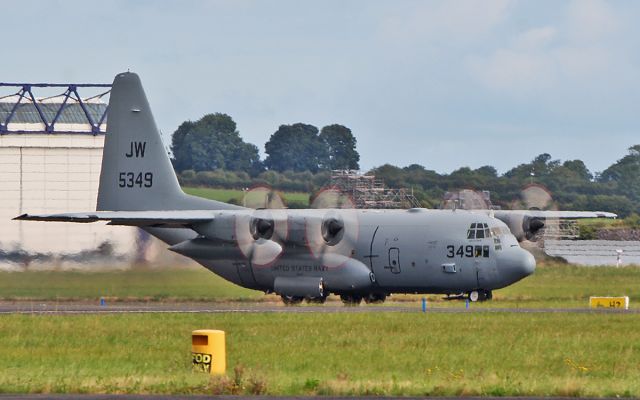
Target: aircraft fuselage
(395,251)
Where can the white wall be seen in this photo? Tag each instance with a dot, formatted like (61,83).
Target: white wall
(42,173)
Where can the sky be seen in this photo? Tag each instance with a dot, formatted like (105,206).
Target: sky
(444,84)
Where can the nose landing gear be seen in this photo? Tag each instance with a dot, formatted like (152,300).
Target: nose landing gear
(480,295)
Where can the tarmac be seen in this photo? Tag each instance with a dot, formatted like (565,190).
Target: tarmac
(197,397)
(66,307)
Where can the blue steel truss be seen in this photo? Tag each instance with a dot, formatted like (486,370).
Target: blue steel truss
(91,114)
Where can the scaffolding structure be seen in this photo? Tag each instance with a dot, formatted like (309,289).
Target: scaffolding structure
(558,229)
(367,191)
(468,199)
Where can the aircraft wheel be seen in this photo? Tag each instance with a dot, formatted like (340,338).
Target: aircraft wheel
(375,298)
(291,300)
(351,300)
(316,300)
(480,295)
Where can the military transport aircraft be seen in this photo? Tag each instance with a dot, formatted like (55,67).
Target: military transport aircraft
(301,254)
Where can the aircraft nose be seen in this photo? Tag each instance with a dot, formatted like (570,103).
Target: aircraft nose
(516,263)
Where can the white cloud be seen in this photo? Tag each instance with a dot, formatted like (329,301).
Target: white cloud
(535,38)
(445,21)
(512,70)
(572,54)
(591,20)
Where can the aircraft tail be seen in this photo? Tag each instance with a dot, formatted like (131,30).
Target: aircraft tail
(136,171)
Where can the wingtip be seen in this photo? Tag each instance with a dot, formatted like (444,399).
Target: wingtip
(21,217)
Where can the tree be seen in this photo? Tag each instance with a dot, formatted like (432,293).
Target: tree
(297,148)
(213,143)
(579,169)
(626,174)
(341,145)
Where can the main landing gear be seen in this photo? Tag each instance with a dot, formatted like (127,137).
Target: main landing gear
(295,300)
(291,300)
(480,295)
(351,300)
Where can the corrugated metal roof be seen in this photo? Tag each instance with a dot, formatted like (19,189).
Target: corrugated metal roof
(71,114)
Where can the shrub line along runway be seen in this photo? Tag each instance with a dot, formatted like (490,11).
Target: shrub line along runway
(66,307)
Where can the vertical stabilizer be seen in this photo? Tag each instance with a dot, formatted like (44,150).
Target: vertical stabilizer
(136,171)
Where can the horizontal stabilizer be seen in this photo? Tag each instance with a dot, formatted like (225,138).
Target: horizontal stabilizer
(130,218)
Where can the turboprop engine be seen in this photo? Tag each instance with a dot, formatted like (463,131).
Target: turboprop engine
(524,227)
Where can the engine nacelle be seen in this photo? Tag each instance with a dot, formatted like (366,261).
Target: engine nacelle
(523,227)
(207,249)
(223,227)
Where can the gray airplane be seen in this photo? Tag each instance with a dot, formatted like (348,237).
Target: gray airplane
(301,254)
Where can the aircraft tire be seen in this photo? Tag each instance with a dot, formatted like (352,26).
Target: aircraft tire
(480,295)
(351,300)
(316,300)
(375,298)
(291,300)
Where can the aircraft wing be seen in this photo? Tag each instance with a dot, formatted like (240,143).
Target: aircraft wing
(554,214)
(525,224)
(131,218)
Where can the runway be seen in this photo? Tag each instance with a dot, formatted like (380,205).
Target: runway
(204,397)
(61,308)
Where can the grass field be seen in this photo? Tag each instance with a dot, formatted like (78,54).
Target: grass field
(161,284)
(561,285)
(237,195)
(330,354)
(497,354)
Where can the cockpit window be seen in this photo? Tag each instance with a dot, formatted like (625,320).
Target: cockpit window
(478,230)
(499,231)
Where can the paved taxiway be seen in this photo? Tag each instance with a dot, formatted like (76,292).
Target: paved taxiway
(198,397)
(52,307)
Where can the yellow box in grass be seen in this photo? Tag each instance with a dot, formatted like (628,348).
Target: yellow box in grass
(208,351)
(609,302)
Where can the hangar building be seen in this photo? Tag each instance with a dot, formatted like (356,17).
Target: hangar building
(50,159)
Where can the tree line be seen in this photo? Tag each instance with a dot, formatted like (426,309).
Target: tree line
(214,143)
(571,185)
(299,157)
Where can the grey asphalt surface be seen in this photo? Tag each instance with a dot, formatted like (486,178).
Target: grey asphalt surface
(144,397)
(180,397)
(53,307)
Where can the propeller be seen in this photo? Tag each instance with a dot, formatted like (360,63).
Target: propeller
(262,197)
(261,232)
(537,197)
(332,231)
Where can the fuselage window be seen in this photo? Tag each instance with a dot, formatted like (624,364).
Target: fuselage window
(478,252)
